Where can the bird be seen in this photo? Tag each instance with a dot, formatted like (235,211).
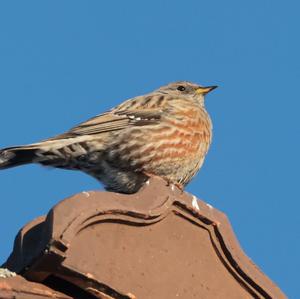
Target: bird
(165,133)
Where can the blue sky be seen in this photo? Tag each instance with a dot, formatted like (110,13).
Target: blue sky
(62,62)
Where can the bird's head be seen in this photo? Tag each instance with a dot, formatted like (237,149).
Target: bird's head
(187,89)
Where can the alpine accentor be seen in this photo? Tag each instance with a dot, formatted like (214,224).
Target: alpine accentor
(165,133)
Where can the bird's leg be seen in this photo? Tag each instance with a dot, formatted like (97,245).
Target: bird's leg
(151,175)
(172,184)
(154,176)
(169,183)
(179,186)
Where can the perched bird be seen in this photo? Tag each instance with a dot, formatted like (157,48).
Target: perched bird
(165,133)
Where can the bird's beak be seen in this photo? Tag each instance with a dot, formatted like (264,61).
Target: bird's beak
(205,90)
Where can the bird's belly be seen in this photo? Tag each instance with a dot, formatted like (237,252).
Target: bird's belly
(174,155)
(178,170)
(174,149)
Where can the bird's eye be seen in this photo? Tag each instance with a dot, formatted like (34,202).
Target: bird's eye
(181,88)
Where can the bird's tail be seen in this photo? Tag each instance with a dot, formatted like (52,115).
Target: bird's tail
(15,156)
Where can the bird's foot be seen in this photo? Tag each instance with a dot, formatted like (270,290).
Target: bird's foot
(169,183)
(173,185)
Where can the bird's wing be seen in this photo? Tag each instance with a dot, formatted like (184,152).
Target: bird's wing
(117,121)
(113,121)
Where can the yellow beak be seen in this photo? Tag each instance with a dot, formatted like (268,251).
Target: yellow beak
(205,90)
